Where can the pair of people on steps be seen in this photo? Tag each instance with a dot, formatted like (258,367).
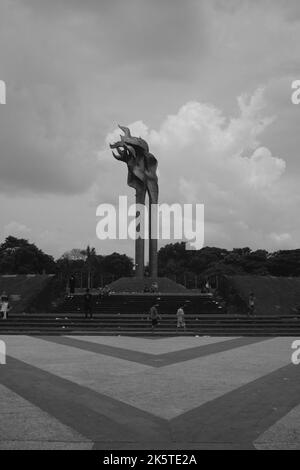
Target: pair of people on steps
(155,317)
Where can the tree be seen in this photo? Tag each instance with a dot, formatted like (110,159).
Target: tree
(172,259)
(18,256)
(117,265)
(76,254)
(79,261)
(256,262)
(284,263)
(91,269)
(211,261)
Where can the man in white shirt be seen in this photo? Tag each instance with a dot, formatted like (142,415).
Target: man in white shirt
(4,307)
(180,318)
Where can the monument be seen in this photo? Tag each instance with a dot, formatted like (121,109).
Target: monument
(142,176)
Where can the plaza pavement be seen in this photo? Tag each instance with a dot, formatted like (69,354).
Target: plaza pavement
(93,392)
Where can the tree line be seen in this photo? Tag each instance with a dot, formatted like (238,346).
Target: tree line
(19,256)
(174,259)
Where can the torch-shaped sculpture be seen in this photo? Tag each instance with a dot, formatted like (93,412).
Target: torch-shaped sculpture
(142,176)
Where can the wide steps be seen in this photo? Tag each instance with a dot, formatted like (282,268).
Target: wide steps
(135,325)
(139,304)
(158,332)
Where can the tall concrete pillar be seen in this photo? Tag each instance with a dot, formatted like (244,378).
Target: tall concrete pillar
(139,242)
(152,239)
(139,257)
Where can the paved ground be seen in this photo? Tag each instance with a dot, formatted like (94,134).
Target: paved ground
(127,393)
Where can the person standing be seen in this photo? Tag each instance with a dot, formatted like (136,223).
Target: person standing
(154,287)
(4,306)
(180,318)
(154,316)
(88,304)
(72,282)
(251,304)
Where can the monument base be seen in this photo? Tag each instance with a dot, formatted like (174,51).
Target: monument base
(143,284)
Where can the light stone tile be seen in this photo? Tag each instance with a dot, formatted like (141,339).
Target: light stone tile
(22,421)
(284,435)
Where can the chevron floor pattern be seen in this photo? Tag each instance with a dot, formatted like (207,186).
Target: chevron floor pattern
(93,392)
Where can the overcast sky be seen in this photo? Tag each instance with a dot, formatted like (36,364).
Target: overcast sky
(206,82)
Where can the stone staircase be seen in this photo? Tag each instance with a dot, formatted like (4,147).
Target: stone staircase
(139,325)
(127,315)
(128,304)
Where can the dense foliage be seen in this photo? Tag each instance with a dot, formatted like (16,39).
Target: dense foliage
(19,256)
(175,260)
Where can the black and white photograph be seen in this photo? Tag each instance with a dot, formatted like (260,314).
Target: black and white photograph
(149,229)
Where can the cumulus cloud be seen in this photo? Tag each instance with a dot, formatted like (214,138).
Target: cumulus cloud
(16,229)
(74,69)
(62,65)
(47,139)
(208,157)
(281,239)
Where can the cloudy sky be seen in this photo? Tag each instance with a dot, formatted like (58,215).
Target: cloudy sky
(206,82)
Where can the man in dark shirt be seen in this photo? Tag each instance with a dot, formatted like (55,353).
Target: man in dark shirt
(154,316)
(72,281)
(251,304)
(87,299)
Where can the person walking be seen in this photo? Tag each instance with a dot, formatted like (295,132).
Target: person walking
(180,318)
(88,304)
(154,316)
